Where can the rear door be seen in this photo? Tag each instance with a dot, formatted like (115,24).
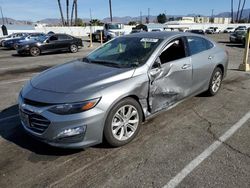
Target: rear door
(202,55)
(64,41)
(170,76)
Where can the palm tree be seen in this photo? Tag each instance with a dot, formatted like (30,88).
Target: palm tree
(72,11)
(76,11)
(232,11)
(243,6)
(67,10)
(110,10)
(237,17)
(60,8)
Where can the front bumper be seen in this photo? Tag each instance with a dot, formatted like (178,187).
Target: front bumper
(92,121)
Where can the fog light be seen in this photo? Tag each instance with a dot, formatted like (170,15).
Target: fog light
(72,132)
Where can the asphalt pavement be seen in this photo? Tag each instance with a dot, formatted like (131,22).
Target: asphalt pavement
(203,142)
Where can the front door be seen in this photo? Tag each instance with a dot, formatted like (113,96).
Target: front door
(170,76)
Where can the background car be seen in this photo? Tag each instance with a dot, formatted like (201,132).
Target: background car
(12,36)
(196,31)
(50,43)
(238,36)
(229,30)
(109,93)
(213,30)
(14,42)
(96,36)
(31,36)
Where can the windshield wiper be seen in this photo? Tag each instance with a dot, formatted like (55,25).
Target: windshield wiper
(108,63)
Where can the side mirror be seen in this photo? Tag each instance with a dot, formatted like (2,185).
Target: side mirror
(47,41)
(155,72)
(156,68)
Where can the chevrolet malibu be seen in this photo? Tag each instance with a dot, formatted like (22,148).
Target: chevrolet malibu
(111,92)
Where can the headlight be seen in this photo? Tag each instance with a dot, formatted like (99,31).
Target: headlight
(74,108)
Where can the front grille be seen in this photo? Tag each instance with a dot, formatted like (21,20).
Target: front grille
(37,123)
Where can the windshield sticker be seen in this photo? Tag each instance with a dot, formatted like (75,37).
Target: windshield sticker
(149,40)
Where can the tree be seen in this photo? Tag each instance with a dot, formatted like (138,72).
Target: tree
(243,6)
(67,11)
(132,23)
(79,22)
(60,8)
(96,22)
(232,11)
(237,17)
(161,18)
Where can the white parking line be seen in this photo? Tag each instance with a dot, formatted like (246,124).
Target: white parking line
(8,118)
(14,81)
(206,153)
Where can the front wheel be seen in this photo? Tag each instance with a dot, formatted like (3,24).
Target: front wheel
(34,51)
(73,48)
(215,82)
(123,122)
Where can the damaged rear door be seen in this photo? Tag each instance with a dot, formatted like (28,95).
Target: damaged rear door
(170,76)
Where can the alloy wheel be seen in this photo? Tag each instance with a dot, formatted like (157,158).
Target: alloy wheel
(216,82)
(125,122)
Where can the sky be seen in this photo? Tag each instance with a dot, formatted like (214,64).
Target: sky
(35,10)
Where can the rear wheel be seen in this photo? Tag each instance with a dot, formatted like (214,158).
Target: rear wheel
(35,51)
(123,122)
(215,82)
(73,48)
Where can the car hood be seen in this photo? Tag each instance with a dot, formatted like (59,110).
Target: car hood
(80,77)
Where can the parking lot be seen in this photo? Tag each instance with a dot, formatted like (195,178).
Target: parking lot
(167,150)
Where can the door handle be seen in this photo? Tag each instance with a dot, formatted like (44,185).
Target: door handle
(186,66)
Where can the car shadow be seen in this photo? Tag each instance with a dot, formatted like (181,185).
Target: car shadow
(12,131)
(43,54)
(235,45)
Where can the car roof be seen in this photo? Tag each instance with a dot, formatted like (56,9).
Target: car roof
(160,35)
(157,35)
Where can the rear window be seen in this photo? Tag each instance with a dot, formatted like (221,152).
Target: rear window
(64,37)
(198,45)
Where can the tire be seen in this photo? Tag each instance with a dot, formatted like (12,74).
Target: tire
(215,82)
(35,51)
(73,48)
(117,130)
(15,46)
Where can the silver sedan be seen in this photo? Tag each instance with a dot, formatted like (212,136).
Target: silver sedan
(108,94)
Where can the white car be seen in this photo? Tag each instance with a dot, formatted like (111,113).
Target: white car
(229,30)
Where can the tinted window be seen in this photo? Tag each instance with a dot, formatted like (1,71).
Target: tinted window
(173,51)
(53,38)
(64,37)
(196,45)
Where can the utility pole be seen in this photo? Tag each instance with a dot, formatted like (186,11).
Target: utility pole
(2,15)
(140,17)
(232,11)
(148,15)
(110,10)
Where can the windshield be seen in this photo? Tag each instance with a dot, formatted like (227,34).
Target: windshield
(114,26)
(124,52)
